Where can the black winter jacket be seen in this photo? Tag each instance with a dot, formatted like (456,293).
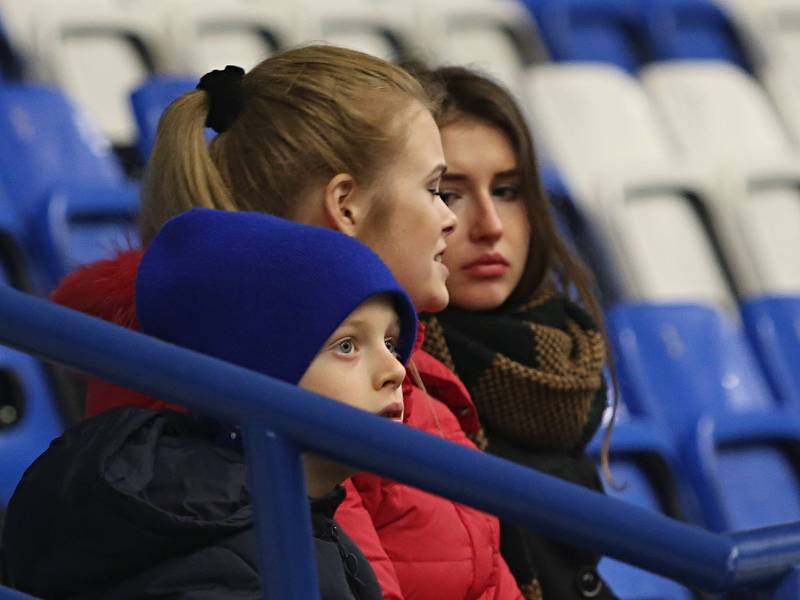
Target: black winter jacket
(135,503)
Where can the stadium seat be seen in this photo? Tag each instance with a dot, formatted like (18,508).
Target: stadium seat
(62,179)
(46,141)
(591,31)
(77,225)
(598,127)
(591,119)
(498,37)
(200,35)
(754,178)
(644,470)
(29,417)
(773,326)
(97,51)
(385,30)
(691,29)
(767,28)
(149,100)
(690,366)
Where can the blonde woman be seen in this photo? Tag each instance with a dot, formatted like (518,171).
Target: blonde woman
(339,139)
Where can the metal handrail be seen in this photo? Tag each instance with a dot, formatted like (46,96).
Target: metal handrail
(280,421)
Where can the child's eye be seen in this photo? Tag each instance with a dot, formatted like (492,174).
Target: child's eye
(345,346)
(391,345)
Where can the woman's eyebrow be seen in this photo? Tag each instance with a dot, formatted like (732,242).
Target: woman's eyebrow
(515,172)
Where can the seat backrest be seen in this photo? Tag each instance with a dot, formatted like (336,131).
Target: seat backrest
(639,489)
(714,110)
(770,231)
(200,35)
(385,29)
(591,31)
(721,119)
(770,29)
(686,361)
(97,51)
(45,140)
(665,249)
(691,29)
(29,417)
(82,224)
(150,100)
(773,326)
(592,119)
(761,485)
(497,37)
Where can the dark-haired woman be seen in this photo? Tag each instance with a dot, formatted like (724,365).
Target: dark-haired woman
(531,357)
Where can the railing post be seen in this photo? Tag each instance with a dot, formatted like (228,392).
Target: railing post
(281,513)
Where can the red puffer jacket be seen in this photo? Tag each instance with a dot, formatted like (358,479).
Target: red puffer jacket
(420,545)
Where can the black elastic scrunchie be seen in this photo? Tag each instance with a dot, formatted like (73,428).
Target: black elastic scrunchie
(225,96)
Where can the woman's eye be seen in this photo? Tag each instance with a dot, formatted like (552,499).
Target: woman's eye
(447,197)
(345,347)
(506,192)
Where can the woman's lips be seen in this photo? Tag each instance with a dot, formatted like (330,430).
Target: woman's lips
(488,266)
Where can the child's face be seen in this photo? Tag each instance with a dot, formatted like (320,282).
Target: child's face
(357,364)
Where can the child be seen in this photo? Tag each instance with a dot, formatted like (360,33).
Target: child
(135,503)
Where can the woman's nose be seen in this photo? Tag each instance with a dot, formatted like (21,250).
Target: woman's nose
(485,222)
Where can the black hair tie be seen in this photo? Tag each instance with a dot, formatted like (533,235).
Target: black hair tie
(225,96)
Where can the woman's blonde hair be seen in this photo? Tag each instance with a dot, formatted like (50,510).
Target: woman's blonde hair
(308,114)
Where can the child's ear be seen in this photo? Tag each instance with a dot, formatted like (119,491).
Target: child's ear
(343,204)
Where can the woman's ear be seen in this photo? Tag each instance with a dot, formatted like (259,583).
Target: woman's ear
(343,201)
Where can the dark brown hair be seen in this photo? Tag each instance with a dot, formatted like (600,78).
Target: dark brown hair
(464,94)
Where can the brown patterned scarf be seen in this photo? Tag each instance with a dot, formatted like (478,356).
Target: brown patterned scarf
(534,372)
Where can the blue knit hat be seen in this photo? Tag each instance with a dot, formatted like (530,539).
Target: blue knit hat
(259,291)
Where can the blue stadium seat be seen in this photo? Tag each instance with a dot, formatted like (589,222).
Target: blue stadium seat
(149,101)
(591,30)
(690,366)
(690,29)
(773,324)
(644,466)
(629,582)
(79,225)
(44,142)
(62,178)
(29,417)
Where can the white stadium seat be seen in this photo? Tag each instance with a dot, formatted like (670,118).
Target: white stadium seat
(98,51)
(598,126)
(722,121)
(200,35)
(498,37)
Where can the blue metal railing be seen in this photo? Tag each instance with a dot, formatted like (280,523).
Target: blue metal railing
(280,421)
